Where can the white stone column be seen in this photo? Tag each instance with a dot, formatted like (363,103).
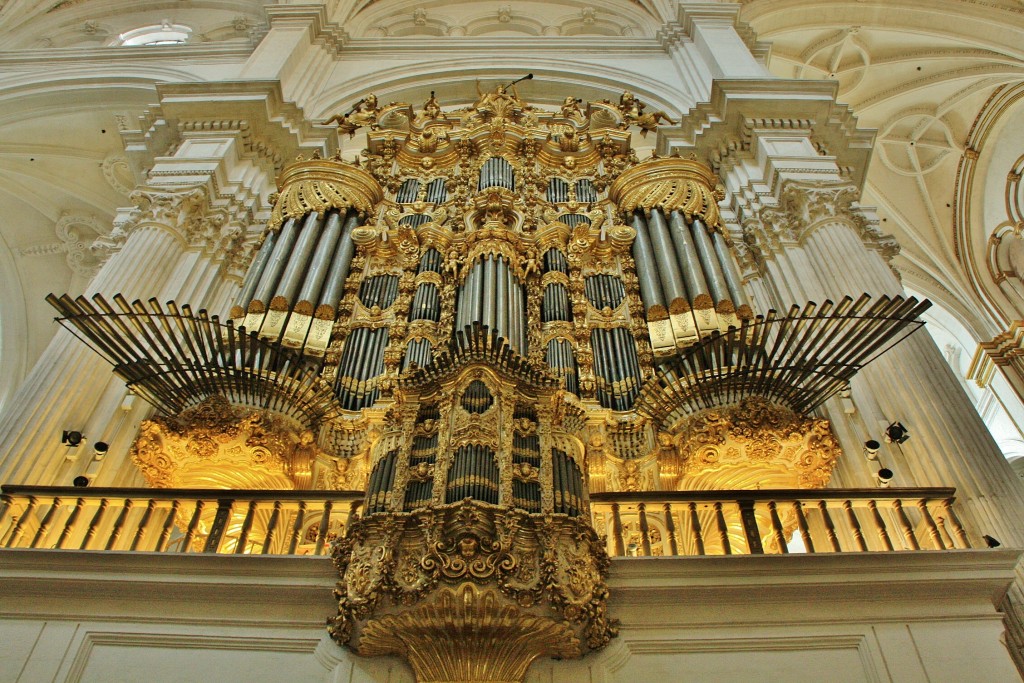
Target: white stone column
(65,388)
(821,246)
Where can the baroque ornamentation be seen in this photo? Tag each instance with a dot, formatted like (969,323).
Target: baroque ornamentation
(751,444)
(471,592)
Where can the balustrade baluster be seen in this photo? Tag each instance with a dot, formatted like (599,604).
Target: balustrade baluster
(219,526)
(94,524)
(883,533)
(958,530)
(140,531)
(19,527)
(243,536)
(620,546)
(933,531)
(321,535)
(830,528)
(6,501)
(801,523)
(300,515)
(44,525)
(851,516)
(353,511)
(670,529)
(165,531)
(70,524)
(645,530)
(748,517)
(193,524)
(908,530)
(695,530)
(115,533)
(723,529)
(271,527)
(777,530)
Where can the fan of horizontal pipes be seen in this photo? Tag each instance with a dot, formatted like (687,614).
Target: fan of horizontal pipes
(799,360)
(174,358)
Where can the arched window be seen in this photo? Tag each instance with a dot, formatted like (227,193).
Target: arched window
(164,33)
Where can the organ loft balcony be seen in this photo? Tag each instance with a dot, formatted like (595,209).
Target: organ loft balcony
(503,387)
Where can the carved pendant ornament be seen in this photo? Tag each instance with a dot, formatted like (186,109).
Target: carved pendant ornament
(470,592)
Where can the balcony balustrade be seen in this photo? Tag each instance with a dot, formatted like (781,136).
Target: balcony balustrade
(634,523)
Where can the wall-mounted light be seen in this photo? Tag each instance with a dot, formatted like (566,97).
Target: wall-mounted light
(99,449)
(884,476)
(871,449)
(80,481)
(71,439)
(896,433)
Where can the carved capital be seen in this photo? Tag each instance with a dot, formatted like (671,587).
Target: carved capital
(805,206)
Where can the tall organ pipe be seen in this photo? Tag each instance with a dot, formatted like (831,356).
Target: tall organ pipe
(708,259)
(340,263)
(668,267)
(277,262)
(252,278)
(298,259)
(318,268)
(686,252)
(489,293)
(732,276)
(504,302)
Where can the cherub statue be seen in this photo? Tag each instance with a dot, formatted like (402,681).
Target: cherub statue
(363,114)
(571,109)
(633,113)
(498,104)
(432,109)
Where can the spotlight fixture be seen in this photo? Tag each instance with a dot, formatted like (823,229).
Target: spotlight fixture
(884,476)
(871,449)
(71,439)
(99,449)
(991,542)
(896,433)
(81,481)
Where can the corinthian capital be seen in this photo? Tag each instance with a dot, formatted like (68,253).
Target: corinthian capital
(806,206)
(175,210)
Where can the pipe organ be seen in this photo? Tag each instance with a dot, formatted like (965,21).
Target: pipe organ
(496,310)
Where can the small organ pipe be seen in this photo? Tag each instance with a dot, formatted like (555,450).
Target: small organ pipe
(295,271)
(732,276)
(318,268)
(664,254)
(686,252)
(341,262)
(708,259)
(272,273)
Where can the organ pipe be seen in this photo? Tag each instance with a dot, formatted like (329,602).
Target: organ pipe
(709,262)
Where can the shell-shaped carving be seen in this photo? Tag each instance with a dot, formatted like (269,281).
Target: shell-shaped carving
(320,185)
(671,184)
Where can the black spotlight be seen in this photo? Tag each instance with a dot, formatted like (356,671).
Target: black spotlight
(992,543)
(896,433)
(81,481)
(72,439)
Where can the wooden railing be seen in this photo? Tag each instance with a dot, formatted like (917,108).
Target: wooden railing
(781,521)
(635,524)
(175,520)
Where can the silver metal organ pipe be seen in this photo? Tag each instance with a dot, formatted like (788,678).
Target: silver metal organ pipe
(686,252)
(299,258)
(646,268)
(668,267)
(318,268)
(341,262)
(252,278)
(520,297)
(489,293)
(504,301)
(278,259)
(708,259)
(732,276)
